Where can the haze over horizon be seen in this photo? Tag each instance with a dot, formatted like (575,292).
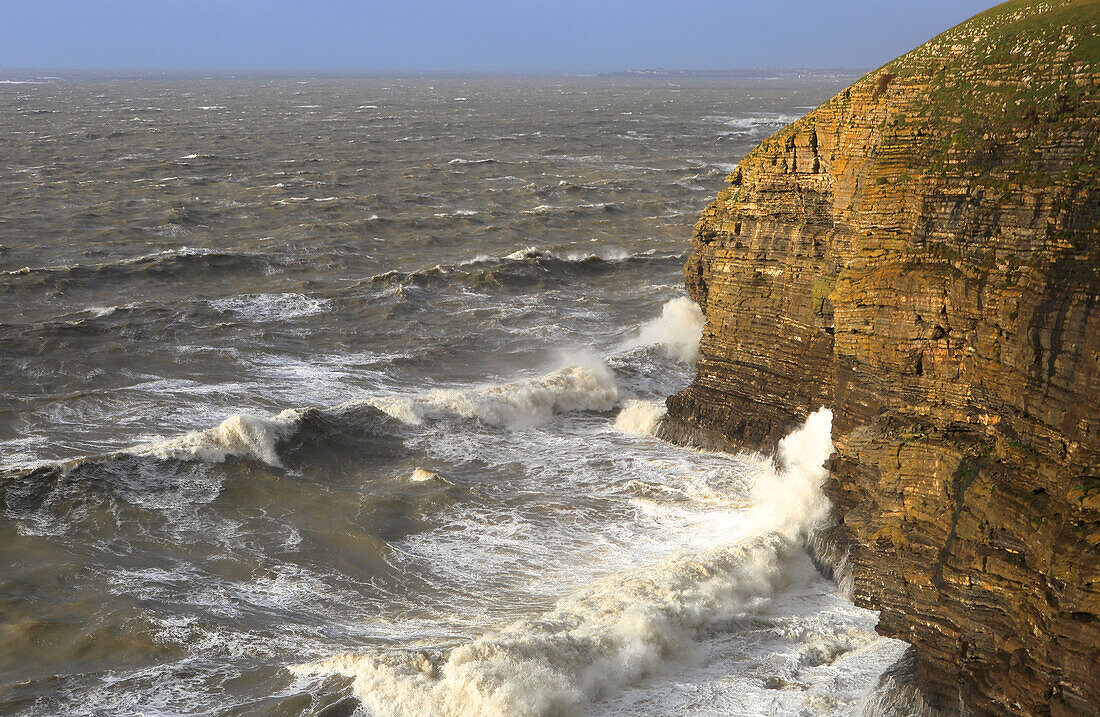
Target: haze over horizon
(486,36)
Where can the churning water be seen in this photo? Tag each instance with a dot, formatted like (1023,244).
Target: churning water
(336,396)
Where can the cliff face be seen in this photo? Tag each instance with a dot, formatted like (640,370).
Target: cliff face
(921,254)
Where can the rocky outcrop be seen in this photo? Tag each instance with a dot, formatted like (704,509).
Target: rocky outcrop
(922,254)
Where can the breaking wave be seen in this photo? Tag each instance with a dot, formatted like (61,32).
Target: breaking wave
(240,435)
(641,417)
(461,160)
(523,266)
(618,630)
(271,307)
(174,262)
(291,438)
(676,331)
(517,405)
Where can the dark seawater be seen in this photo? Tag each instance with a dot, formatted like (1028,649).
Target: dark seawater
(334,396)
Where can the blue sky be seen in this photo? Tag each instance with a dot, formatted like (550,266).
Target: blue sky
(475,36)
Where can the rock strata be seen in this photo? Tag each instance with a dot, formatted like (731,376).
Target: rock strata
(922,254)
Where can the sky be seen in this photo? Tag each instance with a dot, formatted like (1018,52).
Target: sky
(477,36)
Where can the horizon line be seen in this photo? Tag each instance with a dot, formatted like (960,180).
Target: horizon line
(223,72)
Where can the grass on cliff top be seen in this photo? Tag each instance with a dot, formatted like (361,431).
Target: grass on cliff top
(999,87)
(1010,38)
(995,89)
(1011,67)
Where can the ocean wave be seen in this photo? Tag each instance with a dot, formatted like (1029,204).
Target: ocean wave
(676,332)
(290,439)
(171,261)
(618,630)
(691,183)
(522,265)
(460,160)
(420,475)
(272,307)
(579,209)
(240,435)
(640,417)
(456,214)
(100,312)
(759,121)
(564,185)
(516,405)
(302,434)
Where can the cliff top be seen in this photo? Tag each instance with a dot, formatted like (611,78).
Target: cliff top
(994,92)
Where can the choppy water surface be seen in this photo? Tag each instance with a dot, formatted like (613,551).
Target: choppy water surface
(333,396)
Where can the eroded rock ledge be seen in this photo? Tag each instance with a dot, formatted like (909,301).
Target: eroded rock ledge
(922,254)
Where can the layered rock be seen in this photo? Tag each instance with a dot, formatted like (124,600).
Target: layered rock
(922,254)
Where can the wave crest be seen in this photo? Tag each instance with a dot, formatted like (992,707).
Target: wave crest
(516,405)
(172,262)
(240,435)
(620,629)
(521,266)
(641,417)
(677,331)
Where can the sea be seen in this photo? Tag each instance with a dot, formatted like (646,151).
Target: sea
(337,396)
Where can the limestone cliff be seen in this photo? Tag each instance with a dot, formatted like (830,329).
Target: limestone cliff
(921,253)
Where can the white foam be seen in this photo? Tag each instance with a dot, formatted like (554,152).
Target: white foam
(676,331)
(641,417)
(517,405)
(793,493)
(618,630)
(239,435)
(758,120)
(611,255)
(530,252)
(272,307)
(421,475)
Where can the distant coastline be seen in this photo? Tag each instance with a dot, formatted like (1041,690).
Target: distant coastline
(763,72)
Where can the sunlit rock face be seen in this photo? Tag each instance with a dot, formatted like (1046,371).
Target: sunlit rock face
(922,254)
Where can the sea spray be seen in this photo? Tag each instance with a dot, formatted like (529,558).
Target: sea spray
(640,417)
(516,405)
(676,331)
(586,386)
(421,475)
(618,630)
(792,494)
(240,435)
